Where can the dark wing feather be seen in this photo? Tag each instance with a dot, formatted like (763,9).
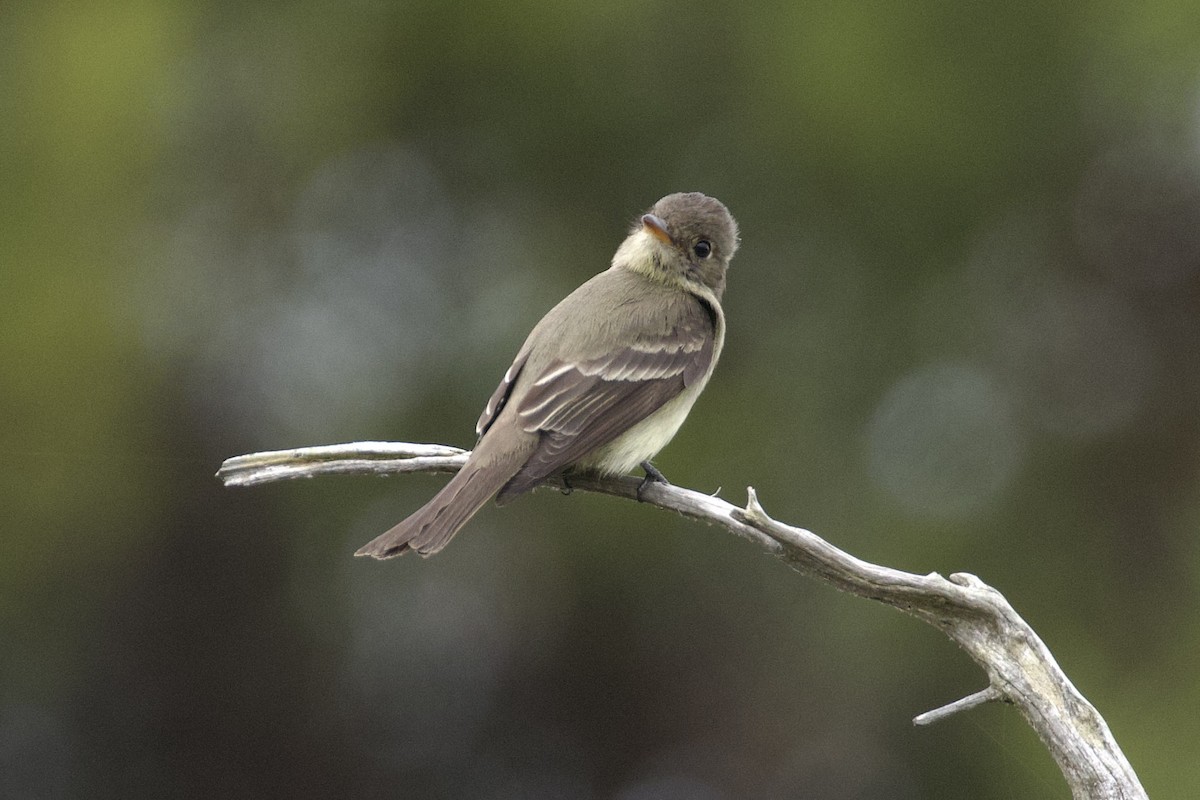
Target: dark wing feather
(500,397)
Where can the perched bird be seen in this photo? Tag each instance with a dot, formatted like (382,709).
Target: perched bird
(605,379)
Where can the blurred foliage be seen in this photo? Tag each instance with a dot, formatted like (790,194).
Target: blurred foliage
(963,336)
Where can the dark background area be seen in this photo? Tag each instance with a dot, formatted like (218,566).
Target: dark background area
(963,335)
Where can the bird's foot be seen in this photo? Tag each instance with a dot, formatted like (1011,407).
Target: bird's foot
(652,476)
(567,488)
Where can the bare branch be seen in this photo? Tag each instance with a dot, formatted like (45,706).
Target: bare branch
(989,695)
(1018,664)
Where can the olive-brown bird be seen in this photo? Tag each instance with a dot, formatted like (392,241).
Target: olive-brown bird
(605,379)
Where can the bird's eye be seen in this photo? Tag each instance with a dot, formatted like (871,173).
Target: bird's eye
(703,249)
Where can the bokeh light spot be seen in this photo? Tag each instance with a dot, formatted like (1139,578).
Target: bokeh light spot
(943,441)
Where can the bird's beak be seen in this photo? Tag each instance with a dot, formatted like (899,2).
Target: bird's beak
(654,226)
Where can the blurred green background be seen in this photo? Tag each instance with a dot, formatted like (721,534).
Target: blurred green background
(964,334)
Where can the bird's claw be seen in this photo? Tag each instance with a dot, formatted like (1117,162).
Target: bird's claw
(652,476)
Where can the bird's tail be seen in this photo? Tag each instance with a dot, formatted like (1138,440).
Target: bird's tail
(432,526)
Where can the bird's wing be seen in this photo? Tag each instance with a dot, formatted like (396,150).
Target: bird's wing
(576,407)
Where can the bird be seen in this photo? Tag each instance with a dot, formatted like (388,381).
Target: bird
(604,380)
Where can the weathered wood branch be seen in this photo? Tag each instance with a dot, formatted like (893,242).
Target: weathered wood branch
(1019,666)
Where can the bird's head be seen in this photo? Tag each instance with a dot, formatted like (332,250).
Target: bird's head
(686,238)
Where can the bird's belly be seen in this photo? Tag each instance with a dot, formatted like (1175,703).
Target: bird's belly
(645,439)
